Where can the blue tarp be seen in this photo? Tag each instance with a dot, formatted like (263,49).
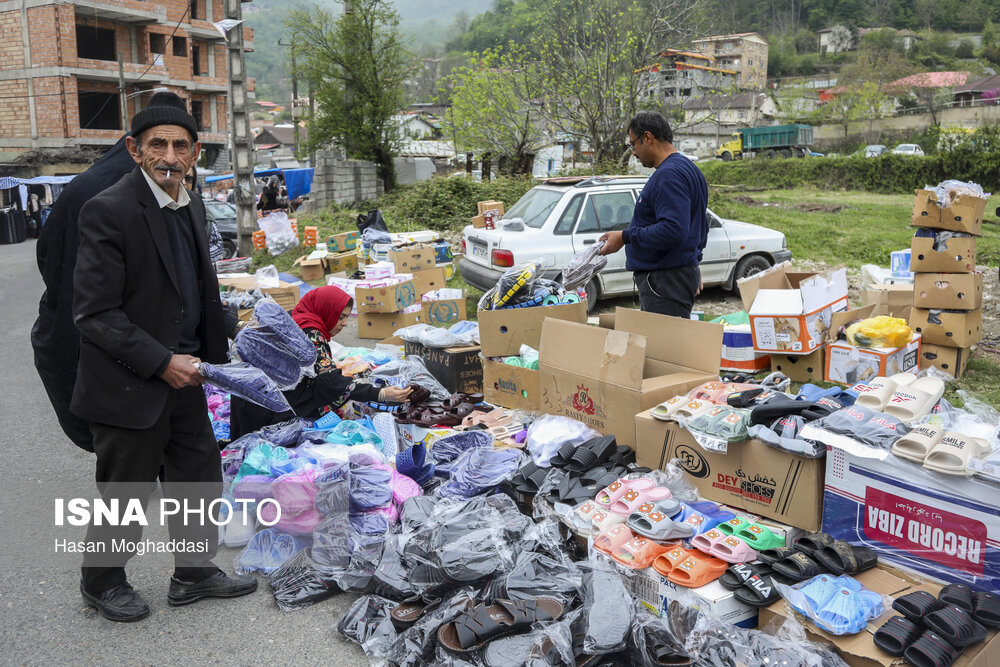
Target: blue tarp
(261,172)
(298,182)
(7,182)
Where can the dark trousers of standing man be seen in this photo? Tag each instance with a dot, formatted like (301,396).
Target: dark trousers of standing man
(128,464)
(669,291)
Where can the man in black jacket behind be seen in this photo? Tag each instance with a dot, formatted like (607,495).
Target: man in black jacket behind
(146,302)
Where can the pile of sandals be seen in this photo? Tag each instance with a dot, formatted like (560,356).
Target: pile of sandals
(428,413)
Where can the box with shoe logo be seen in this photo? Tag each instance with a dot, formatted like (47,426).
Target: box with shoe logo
(513,387)
(656,592)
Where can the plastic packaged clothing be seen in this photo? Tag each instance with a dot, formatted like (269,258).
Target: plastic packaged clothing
(332,490)
(275,344)
(550,432)
(411,371)
(331,540)
(300,581)
(480,470)
(302,523)
(367,623)
(267,550)
(295,491)
(250,383)
(285,434)
(371,488)
(252,487)
(881,331)
(259,460)
(583,266)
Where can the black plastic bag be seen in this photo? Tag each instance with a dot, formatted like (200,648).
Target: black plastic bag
(373,220)
(301,581)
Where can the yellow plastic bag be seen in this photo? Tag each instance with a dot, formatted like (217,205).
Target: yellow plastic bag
(881,331)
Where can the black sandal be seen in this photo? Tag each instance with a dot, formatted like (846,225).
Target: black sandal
(931,650)
(759,591)
(592,453)
(740,573)
(843,558)
(772,556)
(896,634)
(810,543)
(798,567)
(956,625)
(916,605)
(483,623)
(959,595)
(986,609)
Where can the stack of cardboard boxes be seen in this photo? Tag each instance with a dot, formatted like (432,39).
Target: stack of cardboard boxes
(947,292)
(490,212)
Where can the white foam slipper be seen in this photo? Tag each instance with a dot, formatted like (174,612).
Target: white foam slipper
(915,401)
(919,442)
(665,410)
(876,393)
(693,408)
(951,454)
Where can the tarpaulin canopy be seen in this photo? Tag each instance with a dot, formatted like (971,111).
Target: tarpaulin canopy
(259,172)
(7,182)
(298,182)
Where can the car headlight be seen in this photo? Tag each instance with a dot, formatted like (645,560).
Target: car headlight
(784,242)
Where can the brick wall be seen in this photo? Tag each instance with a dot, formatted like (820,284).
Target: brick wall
(343,181)
(11,52)
(14,120)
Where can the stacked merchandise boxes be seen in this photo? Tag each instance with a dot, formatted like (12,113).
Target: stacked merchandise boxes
(490,212)
(947,291)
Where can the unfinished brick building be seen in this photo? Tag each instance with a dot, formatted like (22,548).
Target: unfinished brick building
(60,61)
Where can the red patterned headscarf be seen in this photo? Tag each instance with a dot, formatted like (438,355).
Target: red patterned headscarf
(320,309)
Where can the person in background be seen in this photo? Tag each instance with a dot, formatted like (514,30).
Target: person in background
(216,250)
(322,313)
(34,215)
(669,228)
(269,196)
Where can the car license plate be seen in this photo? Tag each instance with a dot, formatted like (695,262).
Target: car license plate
(478,250)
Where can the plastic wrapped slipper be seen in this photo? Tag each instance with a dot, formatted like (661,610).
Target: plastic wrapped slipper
(919,442)
(915,401)
(608,496)
(483,623)
(604,520)
(640,552)
(609,540)
(760,537)
(665,410)
(849,611)
(896,634)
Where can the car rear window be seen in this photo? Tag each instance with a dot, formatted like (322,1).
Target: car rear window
(535,206)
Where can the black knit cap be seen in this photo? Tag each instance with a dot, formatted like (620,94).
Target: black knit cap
(164,109)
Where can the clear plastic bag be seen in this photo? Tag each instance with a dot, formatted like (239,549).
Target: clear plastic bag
(839,605)
(415,646)
(300,581)
(411,371)
(880,331)
(267,276)
(945,191)
(480,470)
(367,623)
(583,266)
(608,610)
(278,231)
(651,637)
(436,337)
(268,550)
(274,343)
(543,575)
(515,280)
(247,382)
(285,434)
(549,432)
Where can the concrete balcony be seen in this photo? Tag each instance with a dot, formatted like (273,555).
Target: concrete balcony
(130,12)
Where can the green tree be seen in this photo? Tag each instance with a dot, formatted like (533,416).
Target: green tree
(989,34)
(357,64)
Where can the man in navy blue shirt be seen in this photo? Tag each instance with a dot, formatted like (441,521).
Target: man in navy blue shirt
(669,228)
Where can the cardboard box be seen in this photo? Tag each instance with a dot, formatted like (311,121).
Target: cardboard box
(790,312)
(964,215)
(949,291)
(444,312)
(509,386)
(413,258)
(443,252)
(750,475)
(429,280)
(502,332)
(346,262)
(312,269)
(894,300)
(801,367)
(947,328)
(957,256)
(657,592)
(343,242)
(383,325)
(603,377)
(478,222)
(457,368)
(942,526)
(951,360)
(846,364)
(859,650)
(389,299)
(490,205)
(899,263)
(285,294)
(738,353)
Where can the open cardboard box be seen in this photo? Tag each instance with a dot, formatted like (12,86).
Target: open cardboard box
(859,650)
(509,386)
(391,299)
(383,325)
(895,300)
(605,377)
(502,332)
(286,294)
(790,312)
(952,291)
(964,215)
(801,367)
(951,360)
(948,328)
(847,364)
(429,280)
(958,255)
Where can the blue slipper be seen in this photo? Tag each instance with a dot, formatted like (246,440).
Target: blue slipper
(325,423)
(410,461)
(810,392)
(849,611)
(703,516)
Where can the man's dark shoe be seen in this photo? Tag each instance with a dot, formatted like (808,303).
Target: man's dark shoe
(119,603)
(219,585)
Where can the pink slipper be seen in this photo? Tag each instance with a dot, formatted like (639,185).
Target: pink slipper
(634,497)
(707,540)
(608,496)
(734,550)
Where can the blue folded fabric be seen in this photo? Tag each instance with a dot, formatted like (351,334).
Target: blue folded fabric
(370,488)
(452,446)
(480,470)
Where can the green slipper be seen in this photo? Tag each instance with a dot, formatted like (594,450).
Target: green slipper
(733,525)
(760,537)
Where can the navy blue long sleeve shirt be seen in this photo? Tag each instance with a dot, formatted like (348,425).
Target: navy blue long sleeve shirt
(669,227)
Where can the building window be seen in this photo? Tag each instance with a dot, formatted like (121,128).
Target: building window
(750,62)
(194,10)
(157,43)
(196,60)
(99,111)
(95,43)
(741,114)
(180,47)
(197,110)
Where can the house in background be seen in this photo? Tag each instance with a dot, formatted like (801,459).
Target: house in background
(275,146)
(415,125)
(985,91)
(744,53)
(743,109)
(680,76)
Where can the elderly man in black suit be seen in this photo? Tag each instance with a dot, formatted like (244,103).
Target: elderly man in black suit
(146,302)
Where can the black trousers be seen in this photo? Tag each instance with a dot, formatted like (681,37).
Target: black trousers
(180,449)
(669,291)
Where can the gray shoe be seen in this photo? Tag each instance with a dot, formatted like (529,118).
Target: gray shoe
(219,585)
(119,603)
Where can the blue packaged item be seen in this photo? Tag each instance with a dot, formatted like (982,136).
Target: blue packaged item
(267,550)
(371,488)
(839,605)
(480,470)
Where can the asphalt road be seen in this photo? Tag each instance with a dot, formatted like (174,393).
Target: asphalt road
(43,619)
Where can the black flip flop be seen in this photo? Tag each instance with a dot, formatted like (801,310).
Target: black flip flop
(896,634)
(841,557)
(738,574)
(798,567)
(959,595)
(986,609)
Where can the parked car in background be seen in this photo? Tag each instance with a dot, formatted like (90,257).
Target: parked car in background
(224,216)
(563,216)
(874,150)
(908,149)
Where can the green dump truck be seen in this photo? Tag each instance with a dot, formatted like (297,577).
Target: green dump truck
(770,142)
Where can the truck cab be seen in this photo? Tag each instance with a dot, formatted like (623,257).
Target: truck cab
(732,149)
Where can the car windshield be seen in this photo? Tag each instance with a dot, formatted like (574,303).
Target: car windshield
(218,209)
(534,207)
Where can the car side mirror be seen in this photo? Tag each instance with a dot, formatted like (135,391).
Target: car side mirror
(997,212)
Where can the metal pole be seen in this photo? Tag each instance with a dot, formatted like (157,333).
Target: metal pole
(123,100)
(239,132)
(295,97)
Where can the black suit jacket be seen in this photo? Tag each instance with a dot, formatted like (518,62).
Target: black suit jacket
(127,305)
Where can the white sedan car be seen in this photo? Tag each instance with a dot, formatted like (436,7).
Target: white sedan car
(563,216)
(908,149)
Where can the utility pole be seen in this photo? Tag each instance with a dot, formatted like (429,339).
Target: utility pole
(239,131)
(122,99)
(349,140)
(295,96)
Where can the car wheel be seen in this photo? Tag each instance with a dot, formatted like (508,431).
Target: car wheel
(229,249)
(727,156)
(770,154)
(750,265)
(591,295)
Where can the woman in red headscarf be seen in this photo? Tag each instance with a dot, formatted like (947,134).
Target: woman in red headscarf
(322,313)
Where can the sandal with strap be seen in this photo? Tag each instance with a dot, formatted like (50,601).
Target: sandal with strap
(483,623)
(959,595)
(772,556)
(759,537)
(916,605)
(592,453)
(758,591)
(896,634)
(737,574)
(841,557)
(810,543)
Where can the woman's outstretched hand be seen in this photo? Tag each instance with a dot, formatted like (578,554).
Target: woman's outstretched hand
(397,394)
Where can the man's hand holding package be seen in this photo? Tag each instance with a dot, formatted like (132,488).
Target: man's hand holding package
(613,242)
(182,372)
